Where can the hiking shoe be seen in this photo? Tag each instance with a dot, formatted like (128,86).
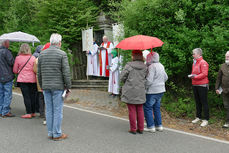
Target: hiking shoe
(33,114)
(196,120)
(159,128)
(152,130)
(63,136)
(204,123)
(26,116)
(226,125)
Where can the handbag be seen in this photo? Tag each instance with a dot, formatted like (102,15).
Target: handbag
(17,84)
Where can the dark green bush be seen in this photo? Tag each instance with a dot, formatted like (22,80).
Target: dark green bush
(182,25)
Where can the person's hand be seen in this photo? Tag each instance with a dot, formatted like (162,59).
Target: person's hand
(217,92)
(68,92)
(191,76)
(102,48)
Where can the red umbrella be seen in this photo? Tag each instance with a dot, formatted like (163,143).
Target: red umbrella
(139,42)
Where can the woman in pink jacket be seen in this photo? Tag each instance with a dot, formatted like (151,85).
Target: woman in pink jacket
(200,82)
(26,78)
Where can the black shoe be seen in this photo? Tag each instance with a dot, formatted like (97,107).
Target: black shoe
(132,132)
(140,131)
(110,95)
(42,116)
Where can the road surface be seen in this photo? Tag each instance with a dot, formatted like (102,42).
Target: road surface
(94,133)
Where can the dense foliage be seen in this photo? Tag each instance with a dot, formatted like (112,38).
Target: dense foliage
(43,17)
(182,25)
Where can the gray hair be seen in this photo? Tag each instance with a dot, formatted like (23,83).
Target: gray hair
(227,53)
(152,58)
(197,51)
(55,39)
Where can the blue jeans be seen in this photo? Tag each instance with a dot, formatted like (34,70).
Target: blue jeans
(54,111)
(152,110)
(5,97)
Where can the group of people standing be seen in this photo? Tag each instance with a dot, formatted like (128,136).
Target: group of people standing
(46,74)
(103,61)
(42,78)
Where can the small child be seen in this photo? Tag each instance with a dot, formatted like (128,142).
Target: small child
(113,87)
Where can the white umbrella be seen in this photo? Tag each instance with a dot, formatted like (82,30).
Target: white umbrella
(19,37)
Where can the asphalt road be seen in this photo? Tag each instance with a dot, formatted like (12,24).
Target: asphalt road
(93,133)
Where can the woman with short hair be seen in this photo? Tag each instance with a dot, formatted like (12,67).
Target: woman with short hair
(200,86)
(155,88)
(23,66)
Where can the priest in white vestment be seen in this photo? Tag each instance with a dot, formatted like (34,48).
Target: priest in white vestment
(92,61)
(113,87)
(105,57)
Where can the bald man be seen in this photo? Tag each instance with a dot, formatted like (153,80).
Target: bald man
(6,79)
(105,57)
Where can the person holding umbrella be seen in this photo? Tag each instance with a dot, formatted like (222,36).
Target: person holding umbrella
(133,90)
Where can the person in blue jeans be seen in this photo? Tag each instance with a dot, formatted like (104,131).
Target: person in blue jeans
(155,88)
(6,79)
(54,77)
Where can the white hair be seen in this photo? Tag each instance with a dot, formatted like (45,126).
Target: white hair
(227,53)
(55,39)
(198,51)
(105,37)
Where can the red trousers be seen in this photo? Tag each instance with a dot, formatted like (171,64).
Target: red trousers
(136,112)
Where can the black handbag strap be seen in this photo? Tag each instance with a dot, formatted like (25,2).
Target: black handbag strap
(24,65)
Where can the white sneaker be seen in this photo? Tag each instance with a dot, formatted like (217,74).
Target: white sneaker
(44,122)
(152,130)
(159,128)
(204,123)
(226,125)
(196,120)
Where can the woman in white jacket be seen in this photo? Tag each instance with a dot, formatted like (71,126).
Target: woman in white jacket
(155,88)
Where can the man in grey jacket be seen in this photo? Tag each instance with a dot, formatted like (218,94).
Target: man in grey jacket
(54,77)
(6,79)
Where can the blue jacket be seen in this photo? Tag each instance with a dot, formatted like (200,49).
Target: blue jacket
(6,65)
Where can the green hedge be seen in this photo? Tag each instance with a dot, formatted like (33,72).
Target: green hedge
(182,25)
